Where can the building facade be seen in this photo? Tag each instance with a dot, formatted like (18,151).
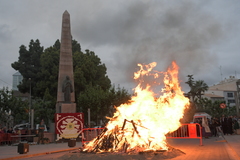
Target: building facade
(226,91)
(17,79)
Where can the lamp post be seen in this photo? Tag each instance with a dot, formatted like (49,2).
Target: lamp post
(238,97)
(30,103)
(89,121)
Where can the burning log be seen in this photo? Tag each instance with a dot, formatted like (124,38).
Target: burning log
(124,123)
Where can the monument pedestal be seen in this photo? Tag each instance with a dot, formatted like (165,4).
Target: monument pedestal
(66,108)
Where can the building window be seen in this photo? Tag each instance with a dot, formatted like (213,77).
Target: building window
(231,101)
(229,94)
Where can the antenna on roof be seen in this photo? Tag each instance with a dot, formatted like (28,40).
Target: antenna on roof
(220,72)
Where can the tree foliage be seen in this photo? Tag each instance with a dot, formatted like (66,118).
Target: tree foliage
(197,89)
(11,106)
(101,102)
(49,72)
(88,70)
(39,69)
(29,65)
(213,108)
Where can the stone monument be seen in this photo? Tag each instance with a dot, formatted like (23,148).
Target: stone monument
(65,93)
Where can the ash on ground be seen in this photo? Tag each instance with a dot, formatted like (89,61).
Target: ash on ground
(149,155)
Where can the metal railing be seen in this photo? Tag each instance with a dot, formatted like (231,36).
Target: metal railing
(89,134)
(187,131)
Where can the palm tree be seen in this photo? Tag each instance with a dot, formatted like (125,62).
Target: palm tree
(200,87)
(197,88)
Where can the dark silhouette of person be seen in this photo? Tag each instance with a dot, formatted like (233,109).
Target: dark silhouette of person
(224,124)
(230,125)
(67,89)
(41,128)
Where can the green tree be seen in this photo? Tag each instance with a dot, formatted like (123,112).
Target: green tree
(93,87)
(213,108)
(92,98)
(88,69)
(119,95)
(49,72)
(29,66)
(197,89)
(91,84)
(43,110)
(101,102)
(39,67)
(11,106)
(90,77)
(76,47)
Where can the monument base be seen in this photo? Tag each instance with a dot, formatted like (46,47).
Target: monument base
(66,108)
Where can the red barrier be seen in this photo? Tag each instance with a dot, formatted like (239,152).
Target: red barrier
(4,138)
(89,134)
(187,131)
(1,138)
(7,138)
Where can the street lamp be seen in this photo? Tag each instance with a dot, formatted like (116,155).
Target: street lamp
(30,103)
(238,97)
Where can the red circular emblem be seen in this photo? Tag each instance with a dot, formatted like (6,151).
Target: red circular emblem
(69,125)
(222,105)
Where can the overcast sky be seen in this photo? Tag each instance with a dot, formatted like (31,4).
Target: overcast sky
(202,36)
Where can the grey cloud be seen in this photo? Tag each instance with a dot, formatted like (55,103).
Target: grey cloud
(196,34)
(5,33)
(145,32)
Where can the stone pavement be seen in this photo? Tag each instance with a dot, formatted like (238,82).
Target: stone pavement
(234,143)
(11,152)
(213,148)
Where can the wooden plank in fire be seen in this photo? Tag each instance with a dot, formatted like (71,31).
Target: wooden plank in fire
(96,141)
(125,146)
(116,130)
(124,123)
(133,124)
(110,141)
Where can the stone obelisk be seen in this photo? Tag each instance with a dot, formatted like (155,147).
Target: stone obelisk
(65,93)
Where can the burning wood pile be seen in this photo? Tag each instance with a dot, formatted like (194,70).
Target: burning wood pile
(116,138)
(141,126)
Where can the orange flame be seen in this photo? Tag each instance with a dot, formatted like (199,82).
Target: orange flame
(151,118)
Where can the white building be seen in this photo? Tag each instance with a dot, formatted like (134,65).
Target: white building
(226,90)
(17,78)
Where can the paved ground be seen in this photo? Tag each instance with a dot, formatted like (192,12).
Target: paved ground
(214,148)
(11,152)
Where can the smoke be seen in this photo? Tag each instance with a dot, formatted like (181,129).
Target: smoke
(143,32)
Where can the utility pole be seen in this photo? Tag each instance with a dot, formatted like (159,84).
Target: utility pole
(89,118)
(220,72)
(238,97)
(30,103)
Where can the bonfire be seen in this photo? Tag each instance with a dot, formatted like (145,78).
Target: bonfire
(142,124)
